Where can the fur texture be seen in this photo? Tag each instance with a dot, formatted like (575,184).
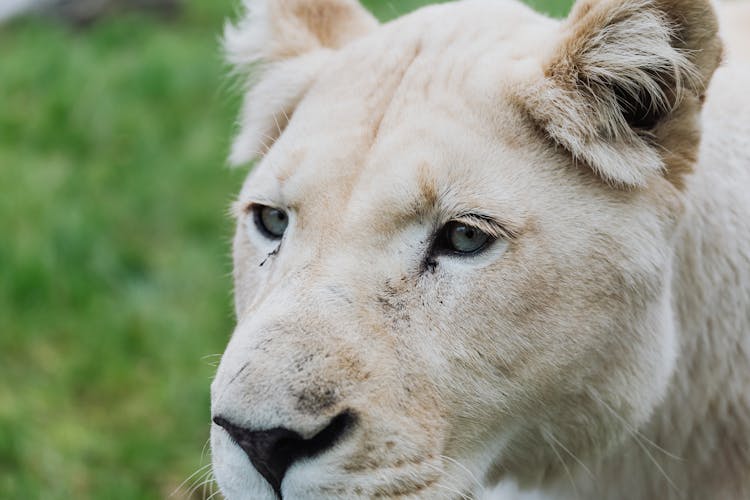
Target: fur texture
(597,349)
(274,32)
(616,61)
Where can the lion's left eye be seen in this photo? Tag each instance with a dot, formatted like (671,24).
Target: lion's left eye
(456,237)
(270,221)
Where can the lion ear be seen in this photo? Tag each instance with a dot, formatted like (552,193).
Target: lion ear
(283,43)
(623,87)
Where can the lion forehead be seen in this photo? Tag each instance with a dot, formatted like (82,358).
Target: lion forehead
(393,115)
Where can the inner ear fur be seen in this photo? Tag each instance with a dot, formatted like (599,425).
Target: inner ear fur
(279,45)
(622,89)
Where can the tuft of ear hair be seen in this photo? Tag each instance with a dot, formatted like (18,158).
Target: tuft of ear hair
(623,88)
(274,30)
(280,45)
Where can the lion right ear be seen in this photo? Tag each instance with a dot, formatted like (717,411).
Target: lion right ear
(623,87)
(283,44)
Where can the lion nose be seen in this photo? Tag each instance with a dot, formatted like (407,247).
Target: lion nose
(273,451)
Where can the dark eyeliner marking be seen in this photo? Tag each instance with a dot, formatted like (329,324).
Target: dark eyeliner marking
(270,254)
(430,264)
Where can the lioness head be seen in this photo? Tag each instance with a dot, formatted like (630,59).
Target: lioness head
(452,259)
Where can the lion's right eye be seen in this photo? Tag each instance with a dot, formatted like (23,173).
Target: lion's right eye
(462,239)
(271,222)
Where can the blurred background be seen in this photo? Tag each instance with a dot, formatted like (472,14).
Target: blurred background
(115,290)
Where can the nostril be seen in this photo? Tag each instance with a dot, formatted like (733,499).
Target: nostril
(273,451)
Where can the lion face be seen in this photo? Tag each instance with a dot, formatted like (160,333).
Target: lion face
(434,288)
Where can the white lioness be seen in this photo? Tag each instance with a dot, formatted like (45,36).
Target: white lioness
(483,247)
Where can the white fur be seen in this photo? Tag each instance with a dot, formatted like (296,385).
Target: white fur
(598,350)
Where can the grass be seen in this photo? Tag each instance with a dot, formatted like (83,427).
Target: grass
(114,267)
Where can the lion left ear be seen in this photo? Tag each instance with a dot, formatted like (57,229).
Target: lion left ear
(283,43)
(623,88)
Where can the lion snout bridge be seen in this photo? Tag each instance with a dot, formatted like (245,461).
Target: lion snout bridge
(273,451)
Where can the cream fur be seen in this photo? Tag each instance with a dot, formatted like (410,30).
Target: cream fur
(735,18)
(599,349)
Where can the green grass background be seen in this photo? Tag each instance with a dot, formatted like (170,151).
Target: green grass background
(114,249)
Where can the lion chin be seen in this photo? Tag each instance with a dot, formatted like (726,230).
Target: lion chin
(488,254)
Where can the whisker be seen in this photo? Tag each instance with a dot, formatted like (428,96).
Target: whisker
(553,438)
(637,433)
(658,466)
(203,450)
(453,490)
(211,487)
(440,470)
(213,495)
(208,484)
(267,142)
(278,127)
(211,359)
(451,477)
(466,469)
(205,478)
(200,470)
(545,434)
(641,440)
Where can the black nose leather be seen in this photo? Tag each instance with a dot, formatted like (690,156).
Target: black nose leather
(272,451)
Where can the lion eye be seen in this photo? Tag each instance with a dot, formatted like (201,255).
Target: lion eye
(462,238)
(270,221)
